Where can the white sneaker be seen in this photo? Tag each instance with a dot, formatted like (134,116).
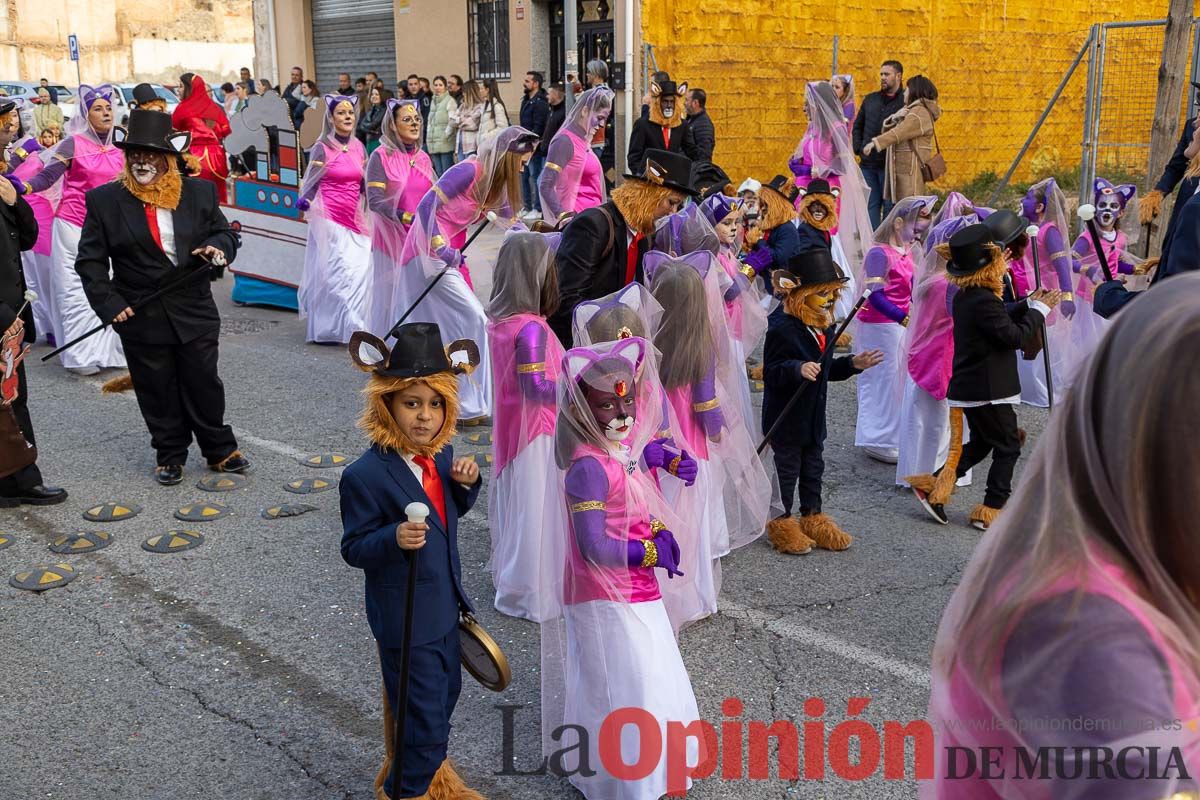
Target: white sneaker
(888,455)
(531,214)
(84,370)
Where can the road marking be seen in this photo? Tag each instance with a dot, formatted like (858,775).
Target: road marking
(905,671)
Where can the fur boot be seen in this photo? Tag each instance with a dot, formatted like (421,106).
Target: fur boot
(755,373)
(825,532)
(844,342)
(448,785)
(121,383)
(983,516)
(786,536)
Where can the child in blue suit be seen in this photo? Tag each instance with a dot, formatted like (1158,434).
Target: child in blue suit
(410,416)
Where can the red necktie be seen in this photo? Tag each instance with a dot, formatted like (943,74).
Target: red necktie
(666,138)
(631,259)
(820,340)
(152,221)
(431,482)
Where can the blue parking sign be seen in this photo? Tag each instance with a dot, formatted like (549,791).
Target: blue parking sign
(73,44)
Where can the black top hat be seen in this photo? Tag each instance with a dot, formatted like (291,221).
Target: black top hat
(150,130)
(418,352)
(708,177)
(144,93)
(6,106)
(815,266)
(969,249)
(667,87)
(1005,226)
(784,187)
(817,186)
(672,170)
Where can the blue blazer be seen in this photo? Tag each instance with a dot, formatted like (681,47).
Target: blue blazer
(374,491)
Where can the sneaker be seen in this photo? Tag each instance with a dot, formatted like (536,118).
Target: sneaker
(531,214)
(887,455)
(169,475)
(935,510)
(85,371)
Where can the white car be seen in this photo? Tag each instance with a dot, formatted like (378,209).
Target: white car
(123,102)
(27,90)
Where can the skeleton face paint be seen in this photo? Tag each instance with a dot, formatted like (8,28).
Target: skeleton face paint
(1108,211)
(613,411)
(146,167)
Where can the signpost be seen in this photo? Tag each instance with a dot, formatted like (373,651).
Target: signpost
(73,45)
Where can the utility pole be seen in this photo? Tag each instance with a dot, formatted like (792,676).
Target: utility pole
(1172,72)
(571,46)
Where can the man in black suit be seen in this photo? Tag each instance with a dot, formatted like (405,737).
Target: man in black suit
(158,228)
(601,249)
(663,129)
(19,231)
(984,384)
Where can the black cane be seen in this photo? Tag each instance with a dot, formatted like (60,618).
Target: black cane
(1087,213)
(830,344)
(416,512)
(138,306)
(491,217)
(1032,233)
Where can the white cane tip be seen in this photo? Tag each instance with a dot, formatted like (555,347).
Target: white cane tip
(491,216)
(865,294)
(416,512)
(31,296)
(1086,212)
(1032,231)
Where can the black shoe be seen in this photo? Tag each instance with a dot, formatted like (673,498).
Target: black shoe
(169,475)
(39,495)
(235,463)
(936,510)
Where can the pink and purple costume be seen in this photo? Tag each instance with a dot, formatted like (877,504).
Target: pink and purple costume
(573,180)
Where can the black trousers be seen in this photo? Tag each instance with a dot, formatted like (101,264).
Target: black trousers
(181,395)
(993,430)
(434,684)
(27,477)
(800,470)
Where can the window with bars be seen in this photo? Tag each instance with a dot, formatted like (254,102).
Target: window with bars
(487,39)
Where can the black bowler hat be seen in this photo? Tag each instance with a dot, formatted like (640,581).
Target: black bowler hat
(817,186)
(808,268)
(144,93)
(6,106)
(418,352)
(784,187)
(970,250)
(1006,227)
(151,130)
(671,170)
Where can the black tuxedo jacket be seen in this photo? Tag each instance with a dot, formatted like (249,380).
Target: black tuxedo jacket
(646,135)
(585,270)
(987,336)
(115,231)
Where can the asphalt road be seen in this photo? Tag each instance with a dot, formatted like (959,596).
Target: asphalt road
(245,668)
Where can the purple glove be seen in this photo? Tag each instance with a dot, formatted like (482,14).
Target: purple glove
(1068,308)
(656,454)
(759,258)
(17,183)
(303,204)
(449,256)
(687,468)
(799,168)
(668,553)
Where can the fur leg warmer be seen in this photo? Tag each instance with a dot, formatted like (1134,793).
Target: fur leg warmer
(786,536)
(940,487)
(984,515)
(825,532)
(121,383)
(446,784)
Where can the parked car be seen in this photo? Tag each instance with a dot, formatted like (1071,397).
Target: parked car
(27,90)
(123,102)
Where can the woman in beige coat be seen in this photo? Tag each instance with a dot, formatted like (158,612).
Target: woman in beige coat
(908,138)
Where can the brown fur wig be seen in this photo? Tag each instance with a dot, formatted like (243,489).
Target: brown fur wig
(989,277)
(794,305)
(656,115)
(638,201)
(380,426)
(154,105)
(776,210)
(825,201)
(163,193)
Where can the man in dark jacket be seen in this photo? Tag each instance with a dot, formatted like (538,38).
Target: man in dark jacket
(700,137)
(601,249)
(556,97)
(156,228)
(663,129)
(984,383)
(19,231)
(535,111)
(868,123)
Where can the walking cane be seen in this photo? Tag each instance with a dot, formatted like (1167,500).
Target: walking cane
(1087,213)
(416,512)
(830,344)
(491,217)
(1032,233)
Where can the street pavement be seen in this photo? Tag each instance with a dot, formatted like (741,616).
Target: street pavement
(245,668)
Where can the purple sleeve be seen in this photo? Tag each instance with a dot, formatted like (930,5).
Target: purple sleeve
(1082,249)
(704,394)
(378,199)
(55,169)
(735,288)
(453,182)
(875,268)
(586,483)
(555,202)
(1060,258)
(531,354)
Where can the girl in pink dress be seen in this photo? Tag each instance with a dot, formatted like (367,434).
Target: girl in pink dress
(335,289)
(1112,209)
(573,179)
(399,173)
(83,160)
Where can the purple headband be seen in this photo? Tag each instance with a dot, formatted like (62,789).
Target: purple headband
(700,261)
(628,352)
(395,102)
(718,207)
(91,95)
(1125,192)
(332,101)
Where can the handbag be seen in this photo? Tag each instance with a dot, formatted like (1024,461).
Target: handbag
(935,167)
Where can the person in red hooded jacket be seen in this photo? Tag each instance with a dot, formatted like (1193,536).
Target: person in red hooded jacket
(201,116)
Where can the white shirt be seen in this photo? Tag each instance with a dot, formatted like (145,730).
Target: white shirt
(166,232)
(417,472)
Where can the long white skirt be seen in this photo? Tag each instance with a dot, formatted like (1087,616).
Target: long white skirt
(459,315)
(75,316)
(624,655)
(924,434)
(529,523)
(878,390)
(747,406)
(37,269)
(697,598)
(1063,364)
(336,286)
(379,318)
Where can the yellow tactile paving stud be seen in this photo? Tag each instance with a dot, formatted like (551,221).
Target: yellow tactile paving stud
(481,459)
(323,460)
(41,578)
(756,387)
(111,512)
(310,485)
(81,542)
(6,540)
(287,510)
(222,482)
(201,512)
(480,438)
(173,542)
